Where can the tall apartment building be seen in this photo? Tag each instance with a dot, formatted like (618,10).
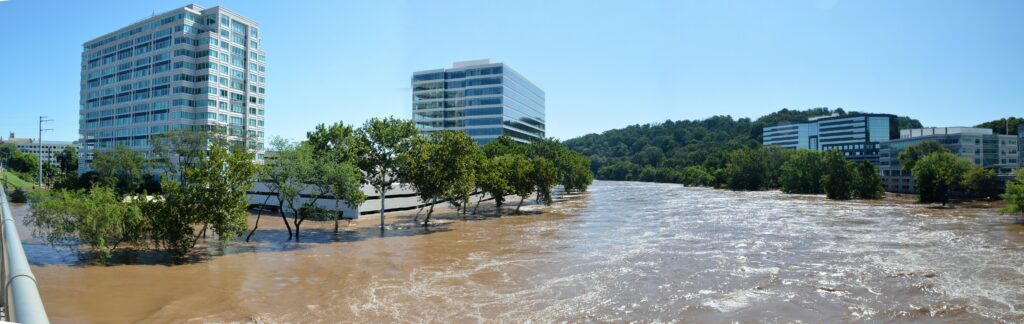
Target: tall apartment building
(190,68)
(979,145)
(486,100)
(857,136)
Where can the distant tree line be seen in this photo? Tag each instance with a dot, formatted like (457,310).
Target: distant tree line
(1002,125)
(725,153)
(672,151)
(197,182)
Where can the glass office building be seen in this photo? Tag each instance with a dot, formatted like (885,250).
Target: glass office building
(978,145)
(483,99)
(857,136)
(186,69)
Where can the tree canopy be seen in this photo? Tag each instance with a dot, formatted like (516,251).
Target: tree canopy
(660,151)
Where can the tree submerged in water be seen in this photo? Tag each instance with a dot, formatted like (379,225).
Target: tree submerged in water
(1014,195)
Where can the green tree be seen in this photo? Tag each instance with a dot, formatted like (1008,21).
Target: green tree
(178,149)
(67,161)
(338,140)
(868,183)
(1002,125)
(345,185)
(626,152)
(441,168)
(837,180)
(802,172)
(1014,195)
(545,175)
(747,169)
(504,145)
(337,147)
(19,196)
(97,218)
(696,175)
(576,174)
(120,168)
(775,157)
(492,179)
(981,182)
(314,172)
(462,157)
(936,175)
(381,141)
(212,194)
(520,177)
(909,156)
(284,177)
(21,162)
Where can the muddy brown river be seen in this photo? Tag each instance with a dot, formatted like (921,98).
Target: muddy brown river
(623,252)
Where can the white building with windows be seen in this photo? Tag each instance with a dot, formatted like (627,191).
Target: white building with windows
(49,149)
(190,68)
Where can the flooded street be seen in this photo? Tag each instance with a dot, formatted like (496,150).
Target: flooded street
(623,252)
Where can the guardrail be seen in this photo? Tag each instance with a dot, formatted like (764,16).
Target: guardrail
(21,301)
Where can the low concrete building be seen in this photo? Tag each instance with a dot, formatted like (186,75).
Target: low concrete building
(398,198)
(49,149)
(978,145)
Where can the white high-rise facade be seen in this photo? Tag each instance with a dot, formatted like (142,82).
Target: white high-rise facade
(189,68)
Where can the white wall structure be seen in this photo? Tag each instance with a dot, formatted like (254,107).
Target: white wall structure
(397,199)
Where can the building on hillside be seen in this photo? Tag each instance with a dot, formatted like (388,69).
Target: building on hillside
(1020,148)
(190,68)
(857,136)
(483,99)
(31,146)
(979,145)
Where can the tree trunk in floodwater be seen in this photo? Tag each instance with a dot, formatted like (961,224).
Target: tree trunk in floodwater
(520,204)
(382,193)
(337,214)
(258,214)
(429,212)
(478,203)
(201,233)
(416,219)
(297,221)
(280,210)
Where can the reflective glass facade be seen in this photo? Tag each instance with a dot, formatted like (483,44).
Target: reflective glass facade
(858,136)
(190,68)
(485,100)
(978,145)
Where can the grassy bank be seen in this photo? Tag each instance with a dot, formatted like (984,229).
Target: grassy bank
(15,182)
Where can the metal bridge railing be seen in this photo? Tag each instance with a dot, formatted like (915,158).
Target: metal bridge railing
(20,295)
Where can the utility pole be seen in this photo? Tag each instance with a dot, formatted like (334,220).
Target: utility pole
(42,119)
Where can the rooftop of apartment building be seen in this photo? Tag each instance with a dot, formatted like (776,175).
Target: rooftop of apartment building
(190,7)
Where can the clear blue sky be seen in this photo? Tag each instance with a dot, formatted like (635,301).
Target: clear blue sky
(603,64)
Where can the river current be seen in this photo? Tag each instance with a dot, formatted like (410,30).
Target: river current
(622,252)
